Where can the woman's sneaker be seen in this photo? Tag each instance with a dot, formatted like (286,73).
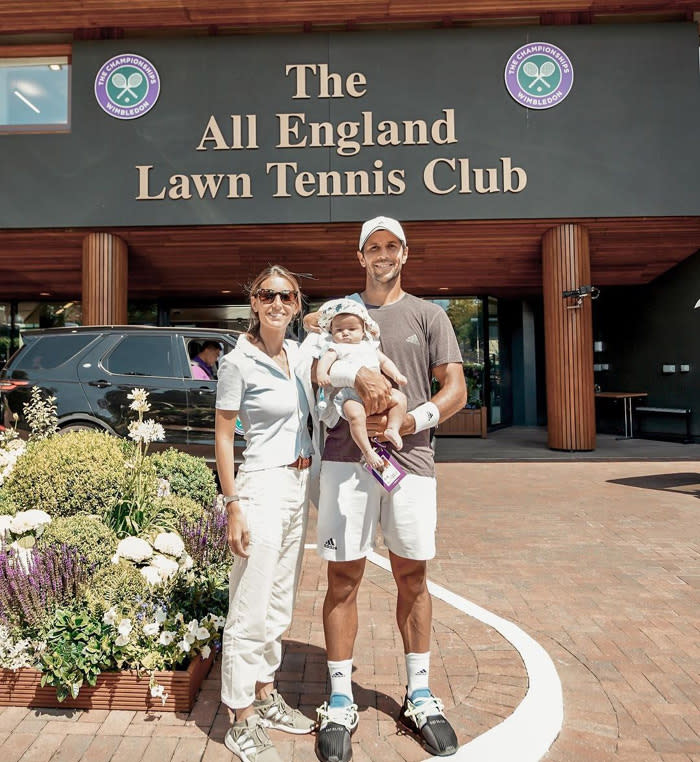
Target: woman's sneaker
(275,712)
(337,719)
(422,714)
(249,741)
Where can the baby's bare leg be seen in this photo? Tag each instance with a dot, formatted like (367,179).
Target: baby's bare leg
(395,416)
(356,416)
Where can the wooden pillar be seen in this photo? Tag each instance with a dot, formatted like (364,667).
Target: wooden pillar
(105,270)
(568,331)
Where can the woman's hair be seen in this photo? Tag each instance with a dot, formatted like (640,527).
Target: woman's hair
(269,272)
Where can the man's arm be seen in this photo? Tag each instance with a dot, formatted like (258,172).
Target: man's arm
(451,397)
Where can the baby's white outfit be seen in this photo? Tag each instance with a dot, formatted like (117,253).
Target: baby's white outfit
(351,357)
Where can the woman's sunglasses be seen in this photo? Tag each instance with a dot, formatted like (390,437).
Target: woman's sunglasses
(267,296)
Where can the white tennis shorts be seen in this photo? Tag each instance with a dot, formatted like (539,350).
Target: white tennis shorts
(353,503)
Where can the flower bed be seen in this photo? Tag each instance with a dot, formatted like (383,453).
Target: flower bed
(113,690)
(113,581)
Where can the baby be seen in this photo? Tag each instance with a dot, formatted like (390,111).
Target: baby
(352,336)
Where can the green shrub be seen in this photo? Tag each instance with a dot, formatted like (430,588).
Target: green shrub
(170,510)
(116,585)
(188,476)
(76,472)
(7,504)
(88,534)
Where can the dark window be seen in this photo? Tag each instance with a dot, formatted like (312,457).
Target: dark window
(143,356)
(49,352)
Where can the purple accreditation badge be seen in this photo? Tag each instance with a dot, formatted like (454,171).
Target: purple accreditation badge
(539,75)
(127,86)
(392,473)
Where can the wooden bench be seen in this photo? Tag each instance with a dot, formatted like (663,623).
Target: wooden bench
(674,411)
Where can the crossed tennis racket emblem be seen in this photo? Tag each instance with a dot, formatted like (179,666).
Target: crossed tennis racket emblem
(125,85)
(531,69)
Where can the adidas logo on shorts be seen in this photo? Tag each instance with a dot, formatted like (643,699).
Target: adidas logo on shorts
(329,544)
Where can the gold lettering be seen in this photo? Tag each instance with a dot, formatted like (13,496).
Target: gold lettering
(212,132)
(143,194)
(464,176)
(210,184)
(241,181)
(449,124)
(279,168)
(388,133)
(421,126)
(287,129)
(324,177)
(300,71)
(325,79)
(479,184)
(395,180)
(429,176)
(179,187)
(302,180)
(508,172)
(353,82)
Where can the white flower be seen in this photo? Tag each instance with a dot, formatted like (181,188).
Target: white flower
(33,520)
(157,691)
(163,488)
(206,651)
(121,640)
(110,616)
(146,431)
(166,566)
(152,575)
(125,627)
(220,622)
(161,615)
(151,629)
(202,633)
(184,646)
(166,637)
(179,618)
(192,625)
(186,562)
(189,637)
(139,397)
(134,549)
(169,543)
(115,558)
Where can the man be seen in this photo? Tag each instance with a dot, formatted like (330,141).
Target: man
(203,363)
(419,338)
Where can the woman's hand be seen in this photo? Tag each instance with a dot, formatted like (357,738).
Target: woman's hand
(238,536)
(311,322)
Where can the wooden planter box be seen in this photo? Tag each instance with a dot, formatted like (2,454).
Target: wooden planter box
(114,690)
(464,423)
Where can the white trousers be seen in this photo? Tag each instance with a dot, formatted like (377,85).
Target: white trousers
(262,588)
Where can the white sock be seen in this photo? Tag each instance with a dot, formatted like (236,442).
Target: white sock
(418,672)
(341,677)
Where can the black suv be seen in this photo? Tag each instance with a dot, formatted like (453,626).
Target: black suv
(91,370)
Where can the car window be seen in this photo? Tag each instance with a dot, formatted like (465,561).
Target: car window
(48,352)
(143,356)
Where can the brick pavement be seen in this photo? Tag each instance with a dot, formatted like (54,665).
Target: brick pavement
(599,562)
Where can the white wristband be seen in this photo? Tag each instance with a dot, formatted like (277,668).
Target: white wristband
(426,416)
(341,379)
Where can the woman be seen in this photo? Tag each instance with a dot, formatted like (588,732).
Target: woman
(267,508)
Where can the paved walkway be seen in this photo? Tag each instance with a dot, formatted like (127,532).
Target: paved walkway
(599,562)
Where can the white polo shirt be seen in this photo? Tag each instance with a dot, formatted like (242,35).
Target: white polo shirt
(273,408)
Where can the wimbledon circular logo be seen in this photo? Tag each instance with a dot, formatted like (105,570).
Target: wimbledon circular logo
(127,86)
(539,75)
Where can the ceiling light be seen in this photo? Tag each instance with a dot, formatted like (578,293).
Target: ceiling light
(44,293)
(25,100)
(55,67)
(444,288)
(226,291)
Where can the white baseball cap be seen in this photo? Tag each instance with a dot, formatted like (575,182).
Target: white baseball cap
(381,223)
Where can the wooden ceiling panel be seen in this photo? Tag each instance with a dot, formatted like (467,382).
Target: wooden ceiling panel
(197,263)
(116,17)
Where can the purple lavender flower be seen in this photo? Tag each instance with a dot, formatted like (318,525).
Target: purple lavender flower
(205,539)
(31,589)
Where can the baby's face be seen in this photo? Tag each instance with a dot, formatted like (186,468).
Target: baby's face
(347,329)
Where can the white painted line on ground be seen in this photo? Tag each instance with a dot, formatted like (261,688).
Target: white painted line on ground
(527,734)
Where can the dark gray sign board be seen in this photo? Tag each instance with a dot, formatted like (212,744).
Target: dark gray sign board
(622,143)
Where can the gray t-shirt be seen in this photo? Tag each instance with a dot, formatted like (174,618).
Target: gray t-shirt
(417,335)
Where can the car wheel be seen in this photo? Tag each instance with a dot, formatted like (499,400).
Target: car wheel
(79,426)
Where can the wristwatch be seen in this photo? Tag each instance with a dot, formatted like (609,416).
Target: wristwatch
(230,499)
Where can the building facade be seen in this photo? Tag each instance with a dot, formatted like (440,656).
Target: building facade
(154,160)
